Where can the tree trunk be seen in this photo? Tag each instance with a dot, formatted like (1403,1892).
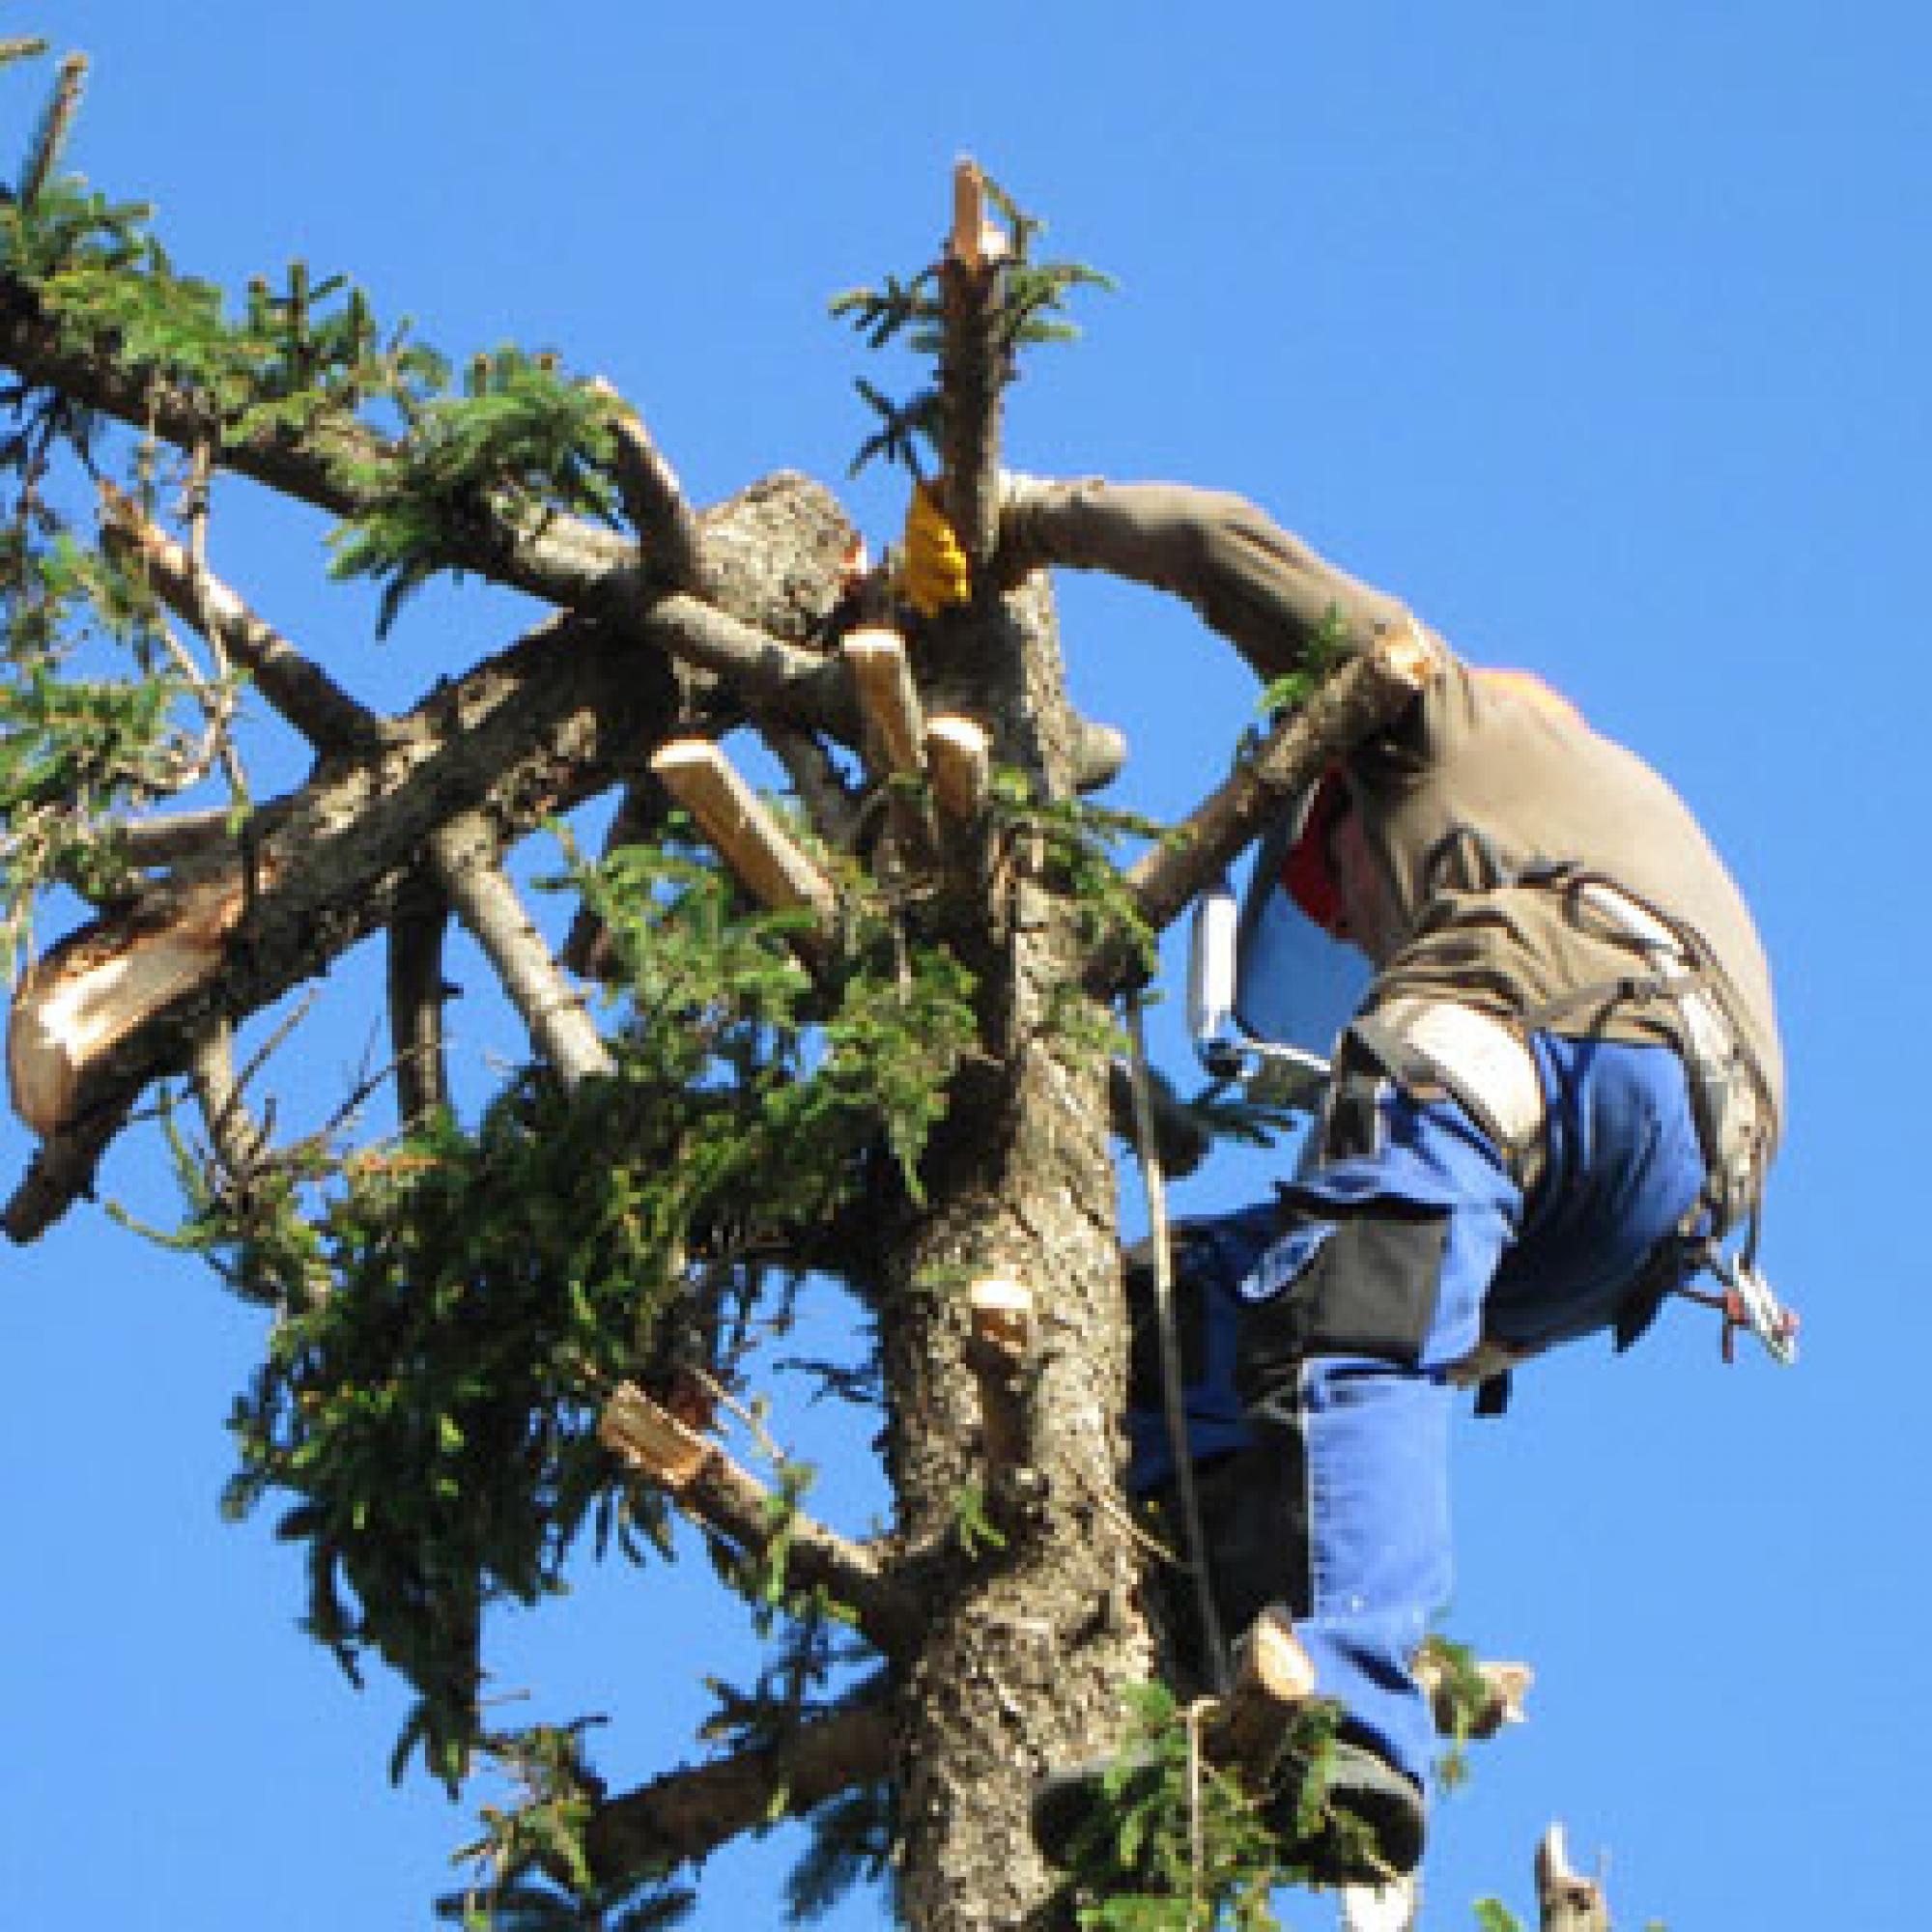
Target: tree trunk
(1029,1644)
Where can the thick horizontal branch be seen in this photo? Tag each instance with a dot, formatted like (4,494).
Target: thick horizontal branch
(552,721)
(754,575)
(766,673)
(564,562)
(687,1814)
(1367,692)
(557,718)
(726,1499)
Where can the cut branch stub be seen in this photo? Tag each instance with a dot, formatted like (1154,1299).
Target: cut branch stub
(667,1450)
(888,700)
(1002,1335)
(959,754)
(1505,1686)
(1569,1902)
(654,501)
(974,240)
(1273,1677)
(733,1504)
(748,837)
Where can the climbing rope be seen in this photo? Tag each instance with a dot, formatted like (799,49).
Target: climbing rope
(1194,1541)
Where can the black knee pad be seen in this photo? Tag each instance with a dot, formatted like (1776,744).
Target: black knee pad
(1364,1283)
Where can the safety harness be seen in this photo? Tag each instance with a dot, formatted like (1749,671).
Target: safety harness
(1486,1063)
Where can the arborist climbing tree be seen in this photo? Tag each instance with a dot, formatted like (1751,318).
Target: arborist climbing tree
(1559,1096)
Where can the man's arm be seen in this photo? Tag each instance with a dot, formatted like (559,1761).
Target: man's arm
(1262,588)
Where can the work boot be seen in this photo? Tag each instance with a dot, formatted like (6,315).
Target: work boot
(1365,1825)
(1367,1821)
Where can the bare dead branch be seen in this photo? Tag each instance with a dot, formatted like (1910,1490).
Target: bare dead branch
(297,687)
(463,853)
(654,501)
(237,1138)
(518,738)
(684,1815)
(1365,694)
(416,994)
(726,1499)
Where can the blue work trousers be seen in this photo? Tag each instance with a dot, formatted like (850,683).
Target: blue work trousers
(1318,1419)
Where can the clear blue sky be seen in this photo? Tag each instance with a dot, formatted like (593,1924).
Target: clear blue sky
(1596,331)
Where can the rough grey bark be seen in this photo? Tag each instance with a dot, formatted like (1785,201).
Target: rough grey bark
(1028,1647)
(569,710)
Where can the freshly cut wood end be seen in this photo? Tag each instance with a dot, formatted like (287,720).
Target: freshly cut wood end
(1567,1898)
(959,752)
(1273,1677)
(95,988)
(702,780)
(872,644)
(680,756)
(1410,653)
(974,239)
(1003,1314)
(651,1439)
(888,697)
(1272,1662)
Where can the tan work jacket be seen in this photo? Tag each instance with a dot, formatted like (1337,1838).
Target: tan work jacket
(1483,806)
